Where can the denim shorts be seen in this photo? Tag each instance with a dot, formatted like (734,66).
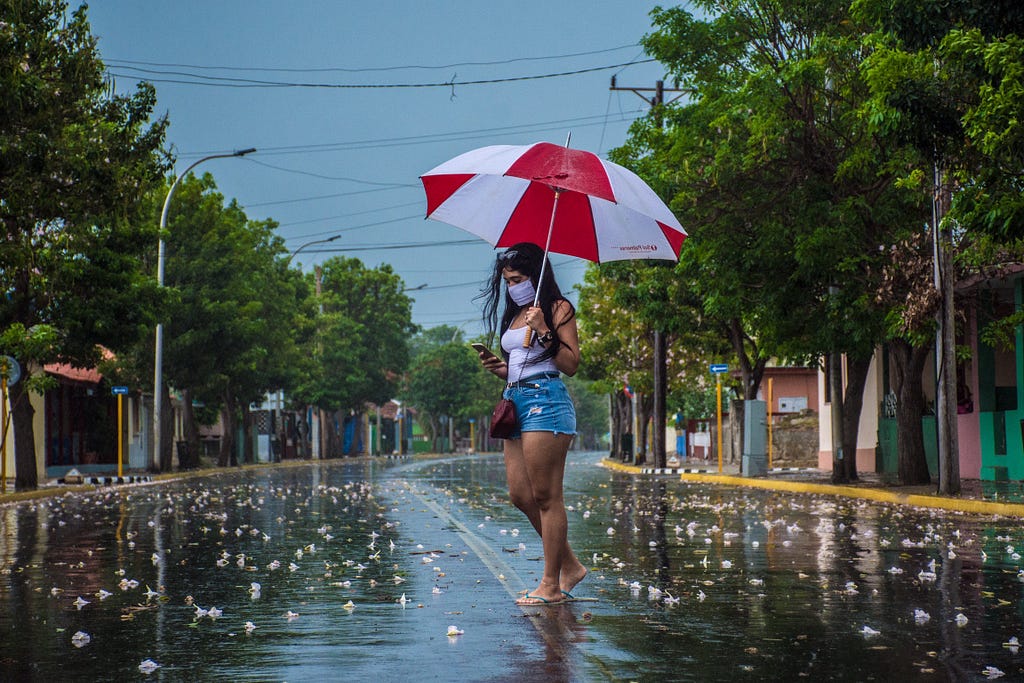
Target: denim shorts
(542,405)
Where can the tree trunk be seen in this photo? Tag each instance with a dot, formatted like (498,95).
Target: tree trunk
(853,404)
(247,432)
(751,372)
(658,440)
(615,447)
(645,406)
(434,429)
(166,430)
(26,476)
(227,442)
(191,431)
(912,466)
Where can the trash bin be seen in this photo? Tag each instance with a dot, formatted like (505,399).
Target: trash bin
(627,447)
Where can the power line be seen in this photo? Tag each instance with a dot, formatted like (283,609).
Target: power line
(329,177)
(348,229)
(231,82)
(129,62)
(428,138)
(375,247)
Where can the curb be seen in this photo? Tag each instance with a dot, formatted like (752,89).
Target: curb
(107,481)
(972,506)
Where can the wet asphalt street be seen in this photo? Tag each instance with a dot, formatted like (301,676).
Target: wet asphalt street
(407,571)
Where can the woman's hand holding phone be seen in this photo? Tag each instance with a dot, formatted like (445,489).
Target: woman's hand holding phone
(491,362)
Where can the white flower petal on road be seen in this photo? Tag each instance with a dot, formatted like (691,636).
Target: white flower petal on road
(81,602)
(290,615)
(454,630)
(921,617)
(213,612)
(402,600)
(103,594)
(610,531)
(349,606)
(148,666)
(249,627)
(1013,644)
(992,672)
(80,639)
(961,620)
(869,632)
(150,593)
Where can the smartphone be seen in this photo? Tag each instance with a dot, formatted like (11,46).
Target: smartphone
(480,348)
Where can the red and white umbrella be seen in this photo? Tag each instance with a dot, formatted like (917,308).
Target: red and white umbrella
(566,200)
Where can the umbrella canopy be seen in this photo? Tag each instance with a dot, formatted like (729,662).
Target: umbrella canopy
(570,201)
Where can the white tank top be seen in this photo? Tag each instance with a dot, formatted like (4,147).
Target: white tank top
(512,343)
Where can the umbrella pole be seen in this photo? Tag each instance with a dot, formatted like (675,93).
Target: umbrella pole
(543,264)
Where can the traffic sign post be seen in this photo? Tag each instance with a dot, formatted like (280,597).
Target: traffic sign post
(120,392)
(718,369)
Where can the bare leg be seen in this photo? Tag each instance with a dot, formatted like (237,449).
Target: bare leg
(543,463)
(522,495)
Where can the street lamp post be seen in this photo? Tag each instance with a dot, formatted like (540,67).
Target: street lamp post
(309,244)
(158,356)
(316,434)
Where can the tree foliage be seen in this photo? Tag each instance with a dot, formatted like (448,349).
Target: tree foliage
(75,159)
(361,345)
(233,323)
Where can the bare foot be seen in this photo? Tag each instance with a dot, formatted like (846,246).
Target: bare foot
(545,594)
(571,577)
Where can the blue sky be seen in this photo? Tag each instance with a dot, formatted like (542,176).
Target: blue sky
(347,159)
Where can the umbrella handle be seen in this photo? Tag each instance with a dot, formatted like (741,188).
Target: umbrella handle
(544,262)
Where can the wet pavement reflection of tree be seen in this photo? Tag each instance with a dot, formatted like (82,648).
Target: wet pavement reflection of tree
(692,582)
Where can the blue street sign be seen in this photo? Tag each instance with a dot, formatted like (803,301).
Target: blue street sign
(10,369)
(719,368)
(118,390)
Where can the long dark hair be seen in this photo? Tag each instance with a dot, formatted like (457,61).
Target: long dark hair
(528,259)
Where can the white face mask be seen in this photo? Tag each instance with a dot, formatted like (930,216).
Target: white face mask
(523,292)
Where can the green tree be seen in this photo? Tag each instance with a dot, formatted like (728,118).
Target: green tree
(442,383)
(231,330)
(787,194)
(946,78)
(360,348)
(74,161)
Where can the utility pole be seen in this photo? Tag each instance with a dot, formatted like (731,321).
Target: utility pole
(658,437)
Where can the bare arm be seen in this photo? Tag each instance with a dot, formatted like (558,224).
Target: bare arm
(567,360)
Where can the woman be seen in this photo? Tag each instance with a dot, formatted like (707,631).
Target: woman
(535,453)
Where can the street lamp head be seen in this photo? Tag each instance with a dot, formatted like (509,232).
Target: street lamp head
(243,152)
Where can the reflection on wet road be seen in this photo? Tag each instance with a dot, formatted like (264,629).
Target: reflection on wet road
(362,568)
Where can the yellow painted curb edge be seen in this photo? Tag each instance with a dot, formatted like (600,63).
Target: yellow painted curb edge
(979,507)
